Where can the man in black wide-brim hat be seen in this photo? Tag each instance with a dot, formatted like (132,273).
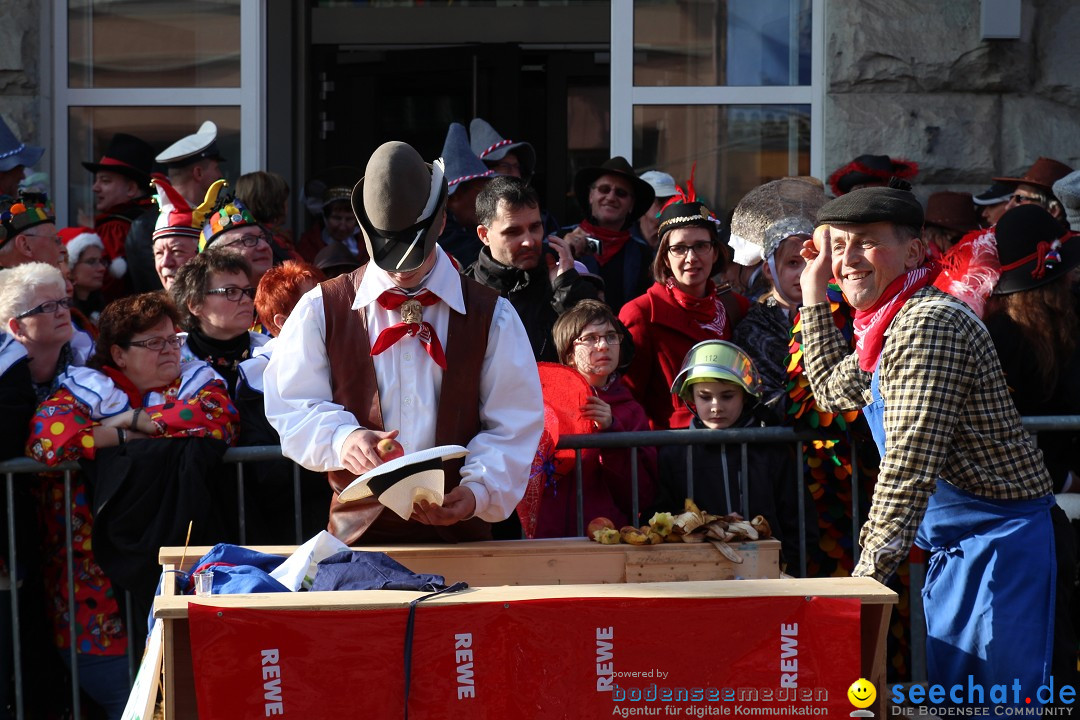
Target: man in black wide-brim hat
(613,198)
(407,348)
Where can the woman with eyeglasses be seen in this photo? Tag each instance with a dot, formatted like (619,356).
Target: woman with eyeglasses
(134,388)
(682,308)
(227,223)
(215,295)
(36,312)
(589,338)
(87,264)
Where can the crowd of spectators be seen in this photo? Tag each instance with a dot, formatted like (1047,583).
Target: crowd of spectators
(153,336)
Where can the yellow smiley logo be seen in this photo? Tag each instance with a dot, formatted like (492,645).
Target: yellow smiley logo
(862,693)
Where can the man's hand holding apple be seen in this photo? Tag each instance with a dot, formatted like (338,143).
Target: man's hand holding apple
(361,451)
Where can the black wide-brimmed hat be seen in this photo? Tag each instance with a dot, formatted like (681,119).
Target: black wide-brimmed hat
(1033,248)
(870,169)
(643,191)
(399,204)
(126,155)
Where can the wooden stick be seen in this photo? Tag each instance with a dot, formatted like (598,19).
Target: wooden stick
(187,540)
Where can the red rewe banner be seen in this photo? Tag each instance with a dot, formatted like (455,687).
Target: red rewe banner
(580,658)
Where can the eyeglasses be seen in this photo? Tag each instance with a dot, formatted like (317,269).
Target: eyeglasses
(609,339)
(699,248)
(249,241)
(1021,199)
(621,193)
(102,261)
(505,167)
(157,344)
(233,293)
(49,306)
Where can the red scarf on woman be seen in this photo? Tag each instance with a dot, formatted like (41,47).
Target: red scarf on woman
(611,241)
(870,324)
(123,382)
(708,310)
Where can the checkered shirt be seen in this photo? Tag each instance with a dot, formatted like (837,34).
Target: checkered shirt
(948,414)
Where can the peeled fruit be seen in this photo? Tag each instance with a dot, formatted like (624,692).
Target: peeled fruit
(596,524)
(607,536)
(662,523)
(389,449)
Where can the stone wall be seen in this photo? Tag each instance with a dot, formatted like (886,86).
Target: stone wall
(913,79)
(21,79)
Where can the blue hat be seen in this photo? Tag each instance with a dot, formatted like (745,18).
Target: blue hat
(14,153)
(491,147)
(461,165)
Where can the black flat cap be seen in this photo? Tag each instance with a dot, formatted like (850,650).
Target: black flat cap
(870,205)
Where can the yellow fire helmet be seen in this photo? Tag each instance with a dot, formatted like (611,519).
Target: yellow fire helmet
(716,360)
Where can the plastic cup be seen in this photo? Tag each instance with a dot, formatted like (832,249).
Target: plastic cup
(204,582)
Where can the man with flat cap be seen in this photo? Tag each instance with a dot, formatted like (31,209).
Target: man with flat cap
(406,348)
(959,474)
(193,164)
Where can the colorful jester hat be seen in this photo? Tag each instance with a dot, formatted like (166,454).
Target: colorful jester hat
(18,216)
(219,213)
(175,217)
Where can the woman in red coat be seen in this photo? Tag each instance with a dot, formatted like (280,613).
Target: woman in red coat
(587,339)
(682,308)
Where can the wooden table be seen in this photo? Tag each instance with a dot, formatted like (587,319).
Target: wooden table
(540,569)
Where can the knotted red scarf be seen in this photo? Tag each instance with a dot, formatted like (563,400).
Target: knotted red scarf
(393,299)
(870,324)
(611,241)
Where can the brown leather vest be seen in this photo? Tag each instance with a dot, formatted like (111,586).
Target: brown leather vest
(353,385)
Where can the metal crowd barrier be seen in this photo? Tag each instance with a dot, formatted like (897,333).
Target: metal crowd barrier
(630,440)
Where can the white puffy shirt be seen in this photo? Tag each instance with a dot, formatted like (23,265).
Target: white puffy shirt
(313,428)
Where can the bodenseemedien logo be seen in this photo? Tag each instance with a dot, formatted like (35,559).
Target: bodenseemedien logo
(862,695)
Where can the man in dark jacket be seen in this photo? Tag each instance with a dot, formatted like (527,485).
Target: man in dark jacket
(535,274)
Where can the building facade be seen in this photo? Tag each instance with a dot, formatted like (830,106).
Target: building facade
(741,91)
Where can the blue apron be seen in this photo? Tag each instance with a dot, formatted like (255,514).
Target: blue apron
(989,592)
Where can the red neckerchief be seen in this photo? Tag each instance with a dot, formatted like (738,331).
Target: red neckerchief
(708,310)
(123,382)
(393,299)
(611,241)
(870,324)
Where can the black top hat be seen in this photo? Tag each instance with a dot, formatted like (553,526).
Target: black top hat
(870,169)
(1033,249)
(643,191)
(399,204)
(126,155)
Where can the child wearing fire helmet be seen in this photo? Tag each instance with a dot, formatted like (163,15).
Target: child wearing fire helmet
(721,387)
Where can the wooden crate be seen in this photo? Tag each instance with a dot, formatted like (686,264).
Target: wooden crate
(565,561)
